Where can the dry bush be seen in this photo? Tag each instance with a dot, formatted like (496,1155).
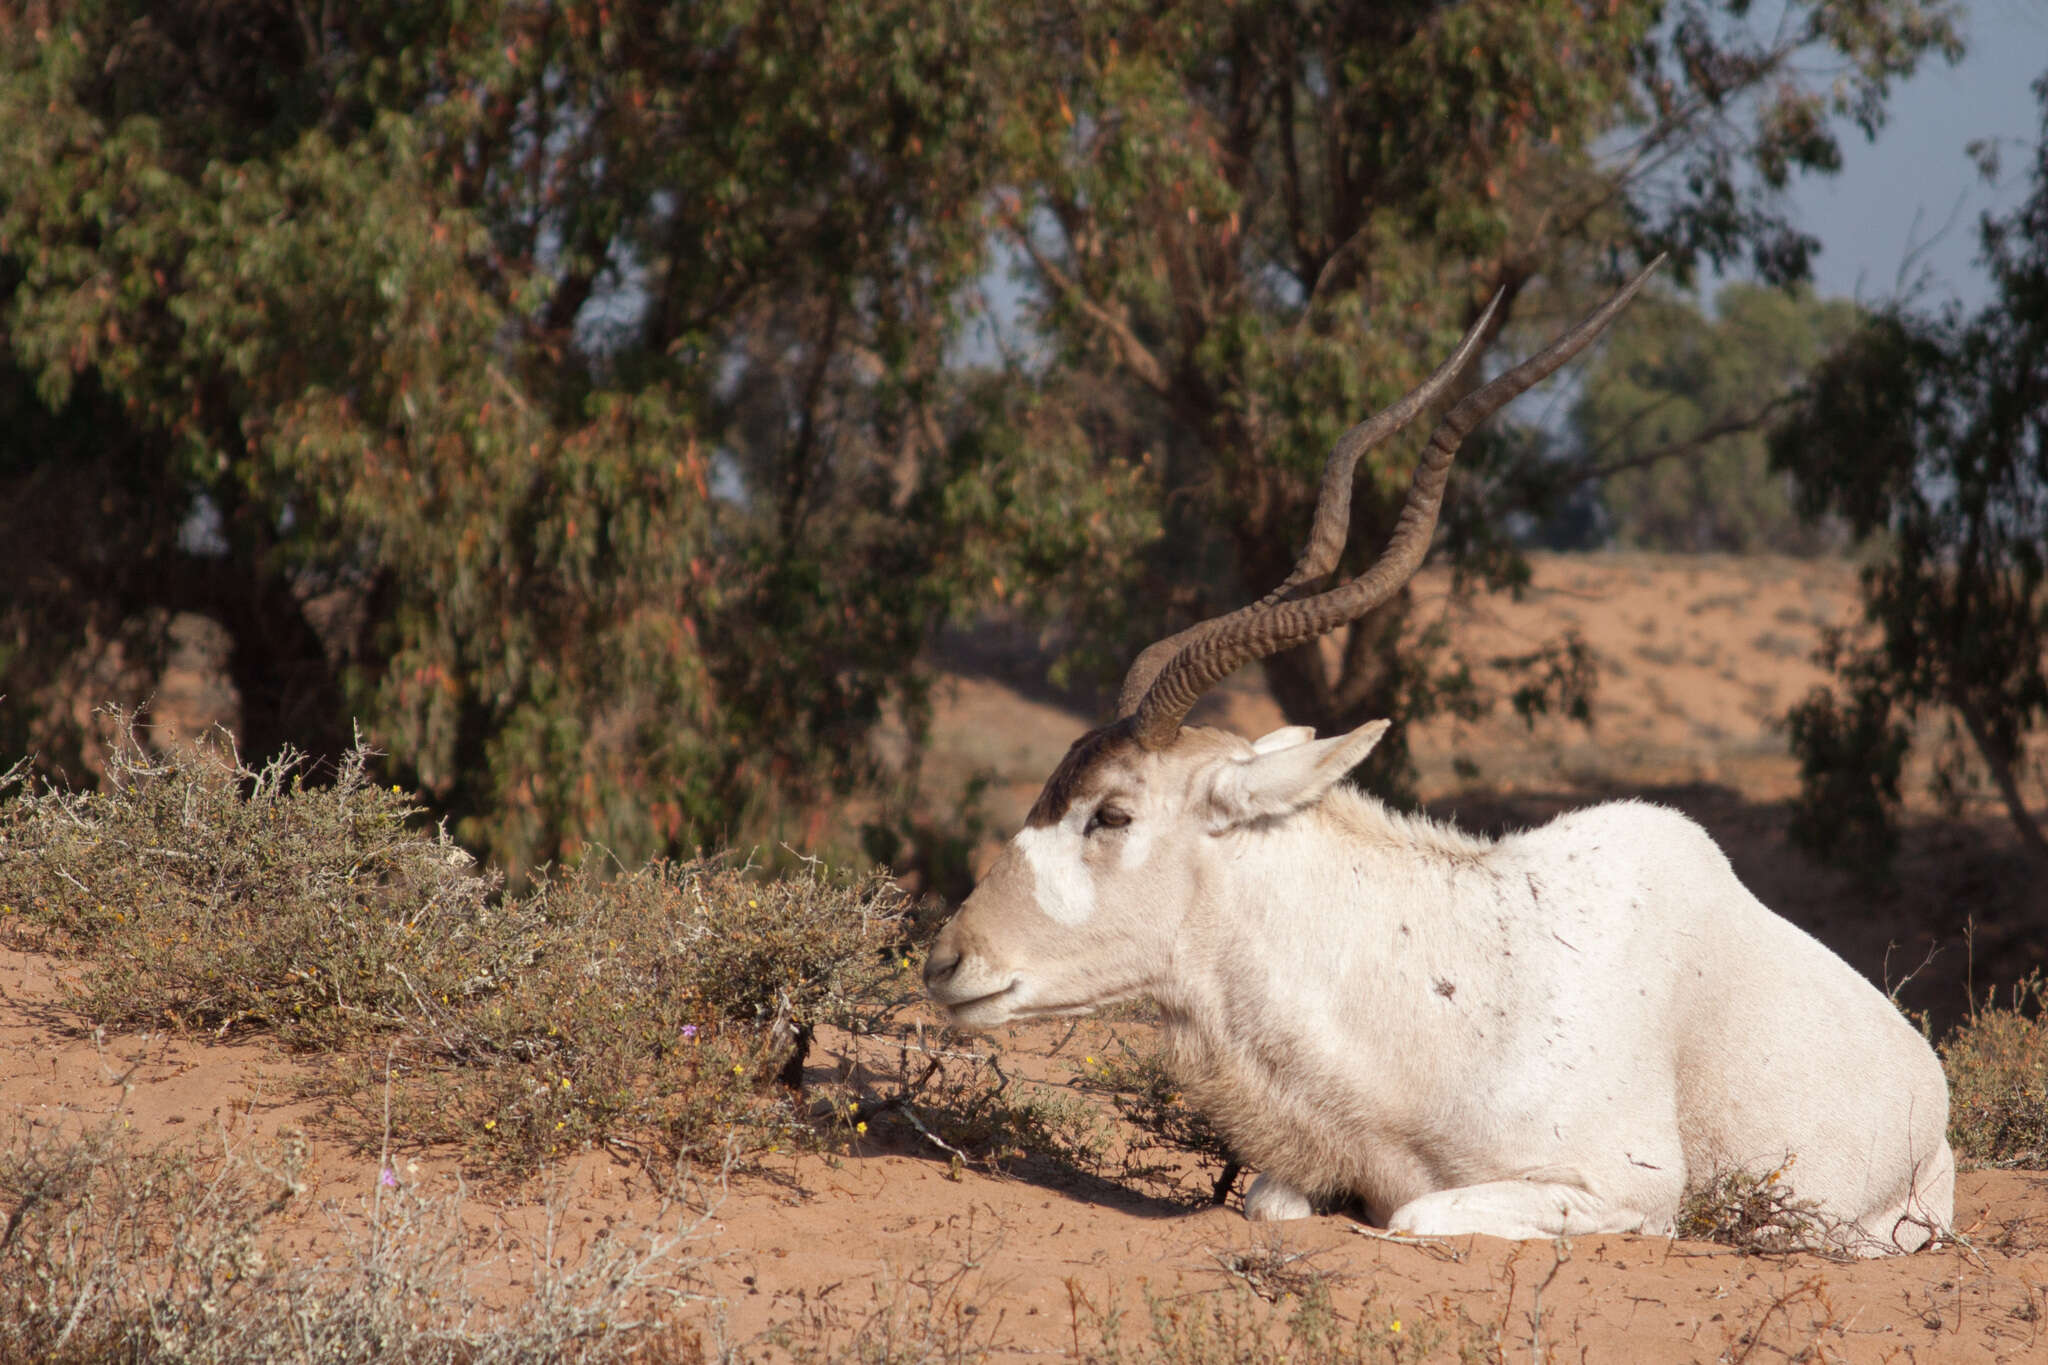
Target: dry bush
(654,1009)
(1272,1272)
(111,1252)
(660,1008)
(964,1104)
(1238,1328)
(1751,1211)
(212,896)
(1148,1098)
(1997,1063)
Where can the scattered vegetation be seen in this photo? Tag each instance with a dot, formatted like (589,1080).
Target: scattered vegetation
(929,1314)
(113,1252)
(1242,1327)
(1148,1098)
(1753,1211)
(1925,434)
(655,1009)
(1997,1063)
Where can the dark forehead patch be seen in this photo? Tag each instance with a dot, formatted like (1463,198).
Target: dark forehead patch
(1064,785)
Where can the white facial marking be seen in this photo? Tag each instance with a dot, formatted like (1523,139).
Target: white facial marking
(1286,737)
(1059,881)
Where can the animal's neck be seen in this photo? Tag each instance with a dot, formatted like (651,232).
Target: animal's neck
(1319,967)
(1318,907)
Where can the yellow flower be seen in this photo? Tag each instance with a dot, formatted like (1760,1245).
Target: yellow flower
(489,1124)
(860,1127)
(1394,1326)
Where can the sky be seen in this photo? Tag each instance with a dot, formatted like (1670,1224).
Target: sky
(1899,193)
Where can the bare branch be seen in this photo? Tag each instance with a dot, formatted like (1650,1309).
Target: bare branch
(1151,372)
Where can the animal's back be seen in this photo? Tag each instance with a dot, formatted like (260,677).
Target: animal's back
(1784,1057)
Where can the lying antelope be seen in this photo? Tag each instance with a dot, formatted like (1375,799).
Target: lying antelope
(1549,1034)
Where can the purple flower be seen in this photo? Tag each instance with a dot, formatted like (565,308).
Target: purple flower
(390,1177)
(689,1030)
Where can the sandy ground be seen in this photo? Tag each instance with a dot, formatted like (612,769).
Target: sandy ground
(894,1241)
(1698,659)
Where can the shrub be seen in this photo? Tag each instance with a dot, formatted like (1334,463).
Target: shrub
(1997,1064)
(1147,1097)
(1752,1211)
(652,1009)
(660,1008)
(213,896)
(113,1252)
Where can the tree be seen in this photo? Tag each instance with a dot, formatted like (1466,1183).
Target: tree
(1673,417)
(558,389)
(1930,434)
(567,391)
(1259,221)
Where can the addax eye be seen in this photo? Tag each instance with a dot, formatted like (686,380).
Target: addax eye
(1106,817)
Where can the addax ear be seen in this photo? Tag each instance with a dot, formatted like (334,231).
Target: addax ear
(1282,780)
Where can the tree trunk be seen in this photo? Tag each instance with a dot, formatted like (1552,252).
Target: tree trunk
(2002,775)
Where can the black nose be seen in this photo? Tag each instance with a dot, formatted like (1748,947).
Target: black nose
(940,965)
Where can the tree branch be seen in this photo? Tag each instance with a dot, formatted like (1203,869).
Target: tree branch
(1290,161)
(1151,372)
(2002,775)
(1699,440)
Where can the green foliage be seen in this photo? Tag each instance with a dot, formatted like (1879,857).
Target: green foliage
(1852,753)
(1244,227)
(1677,407)
(572,393)
(1997,1064)
(560,391)
(1932,433)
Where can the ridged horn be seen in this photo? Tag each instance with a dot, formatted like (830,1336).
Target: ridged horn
(1168,677)
(1332,524)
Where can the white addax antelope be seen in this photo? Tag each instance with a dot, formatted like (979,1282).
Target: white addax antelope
(1547,1034)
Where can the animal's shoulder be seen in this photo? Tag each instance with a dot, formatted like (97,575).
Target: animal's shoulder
(1628,841)
(1618,826)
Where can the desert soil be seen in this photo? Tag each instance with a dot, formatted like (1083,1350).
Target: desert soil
(895,1238)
